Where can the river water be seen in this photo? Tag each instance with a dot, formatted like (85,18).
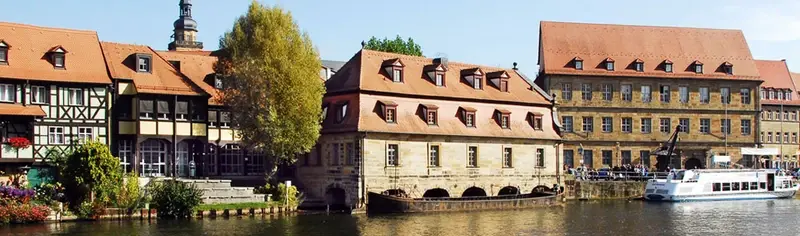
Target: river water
(773,217)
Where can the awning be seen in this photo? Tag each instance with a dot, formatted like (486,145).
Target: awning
(760,151)
(20,110)
(718,159)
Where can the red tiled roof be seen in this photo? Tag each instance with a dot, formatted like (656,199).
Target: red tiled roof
(795,80)
(164,79)
(196,65)
(560,42)
(775,74)
(28,54)
(20,110)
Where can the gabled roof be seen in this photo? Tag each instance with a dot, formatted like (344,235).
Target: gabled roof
(28,46)
(364,72)
(776,75)
(164,78)
(196,67)
(560,42)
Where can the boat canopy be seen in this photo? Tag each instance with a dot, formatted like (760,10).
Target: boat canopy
(760,151)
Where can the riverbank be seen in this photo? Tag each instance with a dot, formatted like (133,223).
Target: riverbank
(203,211)
(603,190)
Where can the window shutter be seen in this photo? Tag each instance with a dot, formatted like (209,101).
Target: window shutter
(163,107)
(146,106)
(212,116)
(182,108)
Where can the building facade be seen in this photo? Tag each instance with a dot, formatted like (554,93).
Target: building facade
(53,92)
(779,117)
(622,91)
(423,127)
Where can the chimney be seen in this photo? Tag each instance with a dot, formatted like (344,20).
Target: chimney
(440,61)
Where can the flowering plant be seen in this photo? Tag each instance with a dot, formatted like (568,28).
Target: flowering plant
(10,194)
(20,142)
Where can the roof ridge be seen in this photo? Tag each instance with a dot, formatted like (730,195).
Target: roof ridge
(542,23)
(184,77)
(456,63)
(11,24)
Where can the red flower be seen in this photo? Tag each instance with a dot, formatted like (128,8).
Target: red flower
(19,142)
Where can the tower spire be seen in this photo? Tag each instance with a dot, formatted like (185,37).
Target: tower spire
(185,31)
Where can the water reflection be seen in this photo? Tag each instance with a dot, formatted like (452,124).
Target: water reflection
(581,218)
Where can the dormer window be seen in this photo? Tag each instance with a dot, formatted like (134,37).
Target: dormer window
(578,63)
(499,79)
(698,67)
(389,111)
(143,63)
(728,68)
(609,64)
(394,69)
(638,65)
(341,112)
(668,66)
(535,120)
(468,116)
(436,74)
(3,53)
(474,77)
(58,60)
(503,118)
(218,82)
(57,56)
(430,114)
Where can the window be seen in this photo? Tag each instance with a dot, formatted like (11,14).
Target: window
(645,157)
(704,96)
(431,117)
(341,113)
(397,75)
(626,157)
(769,137)
(607,92)
(607,124)
(794,137)
(566,121)
(683,92)
(609,65)
(780,95)
(728,68)
(647,125)
(725,95)
(503,85)
(163,110)
(726,186)
(507,158)
(762,137)
(646,96)
(3,53)
(392,156)
(472,156)
(7,93)
(153,154)
(698,68)
(39,94)
(224,119)
(504,121)
(433,156)
(665,94)
(745,127)
(75,97)
(125,155)
(439,79)
(788,95)
(586,92)
(794,115)
(664,126)
(390,113)
(745,94)
(627,124)
(540,157)
(769,114)
(771,94)
(684,125)
(763,94)
(181,110)
(705,126)
(56,135)
(588,158)
(588,124)
(785,115)
(566,92)
(218,83)
(786,137)
(726,126)
(144,64)
(536,121)
(569,158)
(639,66)
(58,60)
(469,118)
(607,157)
(578,63)
(668,67)
(716,187)
(85,134)
(477,83)
(627,93)
(212,118)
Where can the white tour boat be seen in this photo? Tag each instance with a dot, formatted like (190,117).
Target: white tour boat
(721,184)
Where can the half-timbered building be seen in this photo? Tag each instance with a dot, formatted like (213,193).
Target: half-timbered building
(53,91)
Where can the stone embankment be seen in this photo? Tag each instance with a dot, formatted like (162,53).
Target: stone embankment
(603,190)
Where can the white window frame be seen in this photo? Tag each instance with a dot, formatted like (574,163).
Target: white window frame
(586,92)
(472,156)
(85,133)
(725,126)
(705,97)
(608,92)
(647,94)
(683,93)
(125,154)
(745,94)
(540,157)
(439,79)
(39,94)
(607,124)
(588,127)
(684,128)
(725,95)
(434,156)
(8,93)
(55,135)
(392,154)
(566,92)
(646,125)
(568,121)
(627,92)
(508,157)
(75,97)
(627,124)
(397,75)
(664,94)
(664,125)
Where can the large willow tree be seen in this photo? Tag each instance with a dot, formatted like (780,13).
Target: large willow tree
(272,86)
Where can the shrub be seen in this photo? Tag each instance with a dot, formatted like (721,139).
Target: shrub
(18,213)
(130,196)
(280,195)
(49,194)
(175,199)
(90,210)
(91,169)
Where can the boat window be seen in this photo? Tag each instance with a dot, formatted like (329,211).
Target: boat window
(735,186)
(680,175)
(717,187)
(763,185)
(753,185)
(726,186)
(745,186)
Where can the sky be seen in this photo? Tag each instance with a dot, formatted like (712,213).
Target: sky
(493,33)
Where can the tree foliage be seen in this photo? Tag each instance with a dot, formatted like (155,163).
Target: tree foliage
(271,73)
(398,45)
(90,168)
(176,199)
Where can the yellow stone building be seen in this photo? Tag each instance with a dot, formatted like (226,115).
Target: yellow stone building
(622,91)
(779,119)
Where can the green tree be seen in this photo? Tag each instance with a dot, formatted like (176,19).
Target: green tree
(91,169)
(398,45)
(271,73)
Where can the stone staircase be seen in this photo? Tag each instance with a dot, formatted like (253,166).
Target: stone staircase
(220,191)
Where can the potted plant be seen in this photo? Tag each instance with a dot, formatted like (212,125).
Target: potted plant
(19,143)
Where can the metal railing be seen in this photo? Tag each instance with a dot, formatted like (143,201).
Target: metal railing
(618,175)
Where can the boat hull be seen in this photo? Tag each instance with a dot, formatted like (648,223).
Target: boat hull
(721,197)
(381,204)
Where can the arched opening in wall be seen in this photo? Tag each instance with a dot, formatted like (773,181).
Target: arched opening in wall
(693,163)
(474,192)
(508,190)
(396,193)
(336,196)
(436,192)
(541,189)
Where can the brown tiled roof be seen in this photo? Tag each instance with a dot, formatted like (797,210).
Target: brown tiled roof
(28,54)
(561,42)
(364,72)
(196,65)
(775,74)
(20,110)
(164,79)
